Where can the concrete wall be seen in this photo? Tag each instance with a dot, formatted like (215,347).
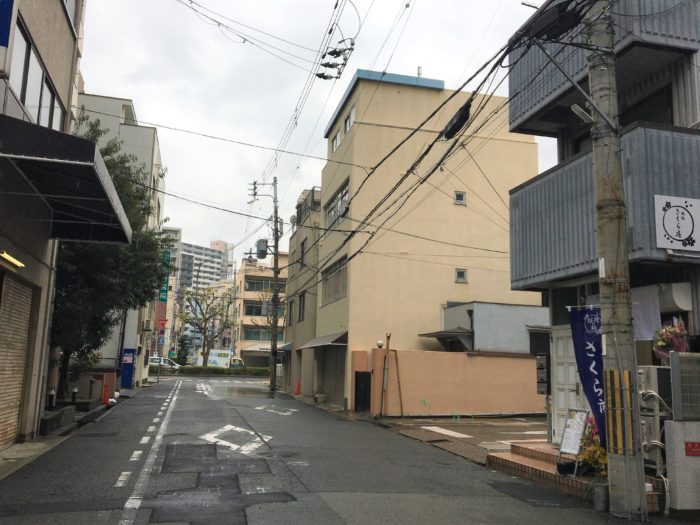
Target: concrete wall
(490,321)
(445,383)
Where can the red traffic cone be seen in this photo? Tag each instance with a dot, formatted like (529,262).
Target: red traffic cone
(297,392)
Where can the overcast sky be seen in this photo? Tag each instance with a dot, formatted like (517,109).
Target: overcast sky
(184,71)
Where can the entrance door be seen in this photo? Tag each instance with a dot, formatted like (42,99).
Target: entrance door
(15,319)
(334,375)
(565,383)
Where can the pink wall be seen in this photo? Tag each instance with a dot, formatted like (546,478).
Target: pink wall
(445,383)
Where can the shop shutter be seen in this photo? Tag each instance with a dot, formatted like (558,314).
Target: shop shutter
(329,373)
(15,317)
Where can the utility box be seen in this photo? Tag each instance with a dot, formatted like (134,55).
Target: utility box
(683,464)
(261,248)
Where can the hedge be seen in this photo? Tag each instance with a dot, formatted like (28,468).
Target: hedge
(218,370)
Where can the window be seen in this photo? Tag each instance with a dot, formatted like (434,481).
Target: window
(460,275)
(303,252)
(335,281)
(461,198)
(252,308)
(336,141)
(349,120)
(31,85)
(302,305)
(290,313)
(260,285)
(337,206)
(256,334)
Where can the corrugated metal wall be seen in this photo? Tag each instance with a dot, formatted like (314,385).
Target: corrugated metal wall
(675,23)
(552,233)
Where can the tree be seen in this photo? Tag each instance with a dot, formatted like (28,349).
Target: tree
(96,283)
(208,311)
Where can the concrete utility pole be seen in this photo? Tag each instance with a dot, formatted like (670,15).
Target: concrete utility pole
(275,292)
(625,457)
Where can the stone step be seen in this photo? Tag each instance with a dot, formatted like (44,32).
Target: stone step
(541,451)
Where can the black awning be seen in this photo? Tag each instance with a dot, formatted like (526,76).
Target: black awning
(69,175)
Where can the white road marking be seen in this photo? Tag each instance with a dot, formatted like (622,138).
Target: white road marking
(271,409)
(238,381)
(248,448)
(136,455)
(160,413)
(451,433)
(145,440)
(123,479)
(529,432)
(152,428)
(134,502)
(156,419)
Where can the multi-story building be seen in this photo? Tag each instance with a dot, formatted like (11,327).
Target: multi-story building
(54,186)
(227,248)
(253,296)
(174,302)
(553,239)
(140,332)
(201,266)
(302,289)
(434,244)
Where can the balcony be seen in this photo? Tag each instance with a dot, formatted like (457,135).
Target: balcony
(650,49)
(552,217)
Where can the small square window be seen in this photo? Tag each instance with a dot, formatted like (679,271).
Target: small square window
(461,198)
(336,141)
(460,275)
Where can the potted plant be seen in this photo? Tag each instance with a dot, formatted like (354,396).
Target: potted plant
(670,337)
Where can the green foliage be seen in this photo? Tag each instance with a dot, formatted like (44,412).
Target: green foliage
(184,344)
(96,283)
(219,370)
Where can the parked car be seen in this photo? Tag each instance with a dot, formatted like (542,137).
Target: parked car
(237,362)
(163,361)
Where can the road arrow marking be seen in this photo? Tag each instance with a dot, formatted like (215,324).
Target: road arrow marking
(271,409)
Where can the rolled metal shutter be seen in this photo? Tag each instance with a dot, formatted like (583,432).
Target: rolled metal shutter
(15,318)
(340,377)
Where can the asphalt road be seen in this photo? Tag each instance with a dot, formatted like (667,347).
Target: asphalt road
(219,451)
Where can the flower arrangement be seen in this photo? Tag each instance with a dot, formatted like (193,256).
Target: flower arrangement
(592,453)
(670,337)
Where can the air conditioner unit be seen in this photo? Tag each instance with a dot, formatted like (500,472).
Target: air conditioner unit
(685,383)
(147,325)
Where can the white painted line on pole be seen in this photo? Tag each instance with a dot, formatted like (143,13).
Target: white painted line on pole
(134,502)
(446,432)
(136,455)
(152,428)
(123,479)
(145,440)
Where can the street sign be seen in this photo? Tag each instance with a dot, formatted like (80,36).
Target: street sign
(163,292)
(163,323)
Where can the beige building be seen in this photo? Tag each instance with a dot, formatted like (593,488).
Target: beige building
(54,186)
(141,329)
(253,293)
(430,245)
(302,289)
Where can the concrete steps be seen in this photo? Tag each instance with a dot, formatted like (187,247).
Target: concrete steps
(537,462)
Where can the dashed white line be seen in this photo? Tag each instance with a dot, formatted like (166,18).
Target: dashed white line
(123,479)
(136,455)
(156,419)
(152,428)
(145,440)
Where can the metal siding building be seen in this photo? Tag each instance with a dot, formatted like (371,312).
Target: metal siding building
(655,160)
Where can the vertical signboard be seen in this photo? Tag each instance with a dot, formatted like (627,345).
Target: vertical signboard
(586,334)
(7,19)
(163,293)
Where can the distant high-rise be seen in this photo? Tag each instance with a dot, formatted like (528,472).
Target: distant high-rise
(201,266)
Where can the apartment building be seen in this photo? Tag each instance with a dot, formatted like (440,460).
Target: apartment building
(139,335)
(433,245)
(54,187)
(201,266)
(553,243)
(253,295)
(174,298)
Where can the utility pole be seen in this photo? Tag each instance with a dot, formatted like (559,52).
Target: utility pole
(625,457)
(275,292)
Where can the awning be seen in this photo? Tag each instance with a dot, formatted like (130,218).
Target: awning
(337,339)
(453,340)
(69,175)
(265,347)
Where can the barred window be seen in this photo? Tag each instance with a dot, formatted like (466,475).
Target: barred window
(335,281)
(336,206)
